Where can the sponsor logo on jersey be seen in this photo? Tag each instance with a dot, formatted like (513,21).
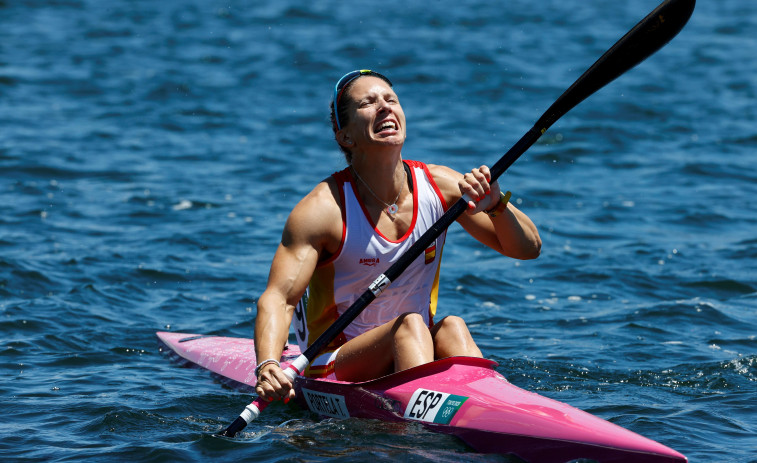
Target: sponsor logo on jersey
(369,261)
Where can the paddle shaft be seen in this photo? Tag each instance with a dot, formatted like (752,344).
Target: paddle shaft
(648,36)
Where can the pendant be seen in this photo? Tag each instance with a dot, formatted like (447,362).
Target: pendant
(391,210)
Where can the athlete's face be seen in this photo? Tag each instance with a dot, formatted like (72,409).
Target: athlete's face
(376,116)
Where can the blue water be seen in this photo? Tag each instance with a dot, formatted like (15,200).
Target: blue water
(151,151)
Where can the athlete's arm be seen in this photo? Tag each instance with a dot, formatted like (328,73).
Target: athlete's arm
(308,235)
(511,233)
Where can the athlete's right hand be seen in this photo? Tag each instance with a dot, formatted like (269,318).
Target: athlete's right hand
(273,384)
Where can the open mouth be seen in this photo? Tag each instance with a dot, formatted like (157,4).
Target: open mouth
(386,126)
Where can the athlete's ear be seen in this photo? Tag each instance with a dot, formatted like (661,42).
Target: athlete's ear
(344,139)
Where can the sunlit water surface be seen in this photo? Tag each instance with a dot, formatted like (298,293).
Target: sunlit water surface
(151,151)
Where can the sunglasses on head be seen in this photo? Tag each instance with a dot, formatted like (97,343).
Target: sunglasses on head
(342,83)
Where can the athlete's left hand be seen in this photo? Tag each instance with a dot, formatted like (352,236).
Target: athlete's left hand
(476,185)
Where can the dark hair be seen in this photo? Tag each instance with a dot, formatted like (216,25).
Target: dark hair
(343,109)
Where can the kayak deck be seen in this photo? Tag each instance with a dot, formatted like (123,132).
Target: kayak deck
(462,396)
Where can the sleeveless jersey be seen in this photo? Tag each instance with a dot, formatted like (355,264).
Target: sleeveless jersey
(363,255)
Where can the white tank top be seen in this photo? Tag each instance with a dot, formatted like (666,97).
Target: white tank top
(364,254)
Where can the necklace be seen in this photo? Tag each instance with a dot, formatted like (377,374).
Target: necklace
(391,209)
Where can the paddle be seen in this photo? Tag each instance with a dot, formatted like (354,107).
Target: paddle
(654,31)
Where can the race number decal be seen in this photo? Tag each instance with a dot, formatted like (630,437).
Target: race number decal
(326,404)
(433,406)
(300,322)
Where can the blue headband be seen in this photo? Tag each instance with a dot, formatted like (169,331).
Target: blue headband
(342,83)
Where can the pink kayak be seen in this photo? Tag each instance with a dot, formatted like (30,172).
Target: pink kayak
(462,396)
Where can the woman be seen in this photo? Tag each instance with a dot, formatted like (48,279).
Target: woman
(351,227)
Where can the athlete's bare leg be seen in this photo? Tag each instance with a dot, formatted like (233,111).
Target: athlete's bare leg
(451,337)
(402,343)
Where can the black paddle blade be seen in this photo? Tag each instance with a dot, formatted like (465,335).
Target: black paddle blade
(234,427)
(651,34)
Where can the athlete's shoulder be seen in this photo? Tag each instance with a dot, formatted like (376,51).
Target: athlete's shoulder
(315,216)
(446,179)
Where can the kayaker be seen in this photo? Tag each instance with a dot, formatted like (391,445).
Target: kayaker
(352,226)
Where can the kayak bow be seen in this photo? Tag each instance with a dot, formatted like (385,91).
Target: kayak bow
(462,396)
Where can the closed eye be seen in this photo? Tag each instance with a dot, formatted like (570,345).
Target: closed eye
(366,102)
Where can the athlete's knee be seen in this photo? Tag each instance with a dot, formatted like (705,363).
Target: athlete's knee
(452,337)
(411,325)
(412,320)
(453,325)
